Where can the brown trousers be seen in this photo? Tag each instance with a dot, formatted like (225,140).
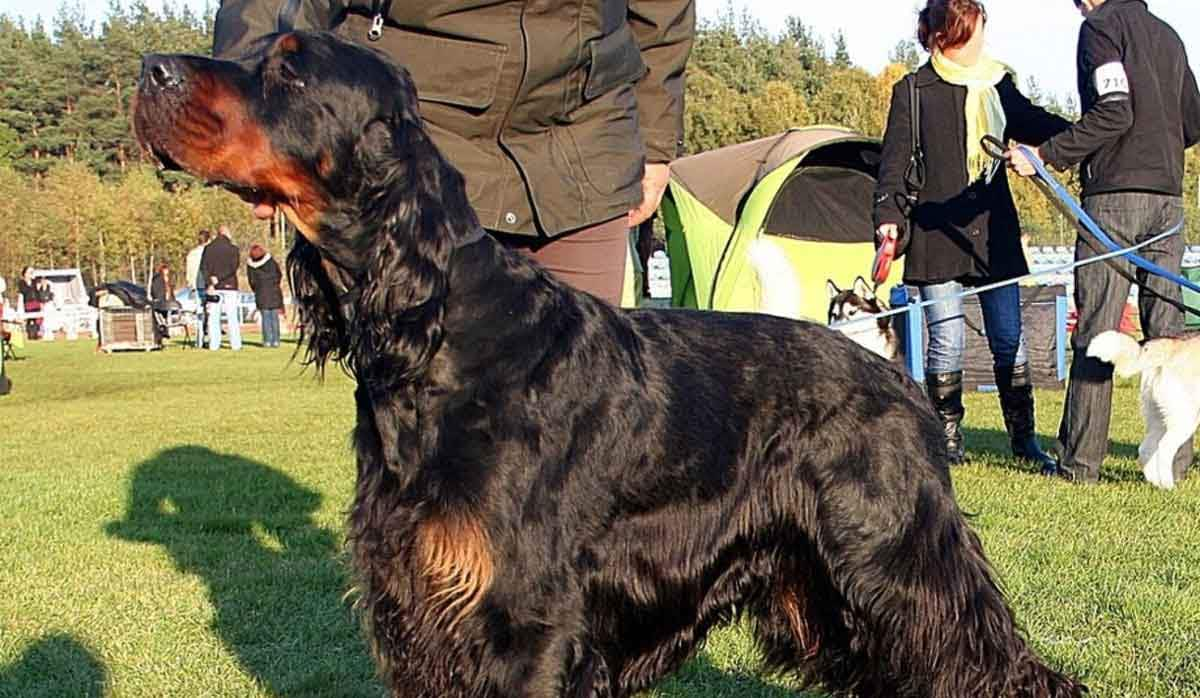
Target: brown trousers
(591,259)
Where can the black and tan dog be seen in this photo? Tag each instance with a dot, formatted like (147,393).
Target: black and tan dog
(557,498)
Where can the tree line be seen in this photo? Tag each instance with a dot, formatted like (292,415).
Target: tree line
(75,190)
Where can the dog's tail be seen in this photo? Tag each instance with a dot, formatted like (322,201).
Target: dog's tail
(1123,352)
(780,294)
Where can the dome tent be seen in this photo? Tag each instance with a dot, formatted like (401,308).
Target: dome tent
(809,191)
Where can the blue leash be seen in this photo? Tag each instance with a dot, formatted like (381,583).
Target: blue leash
(1059,192)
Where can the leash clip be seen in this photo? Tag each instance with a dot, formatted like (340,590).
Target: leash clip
(376,30)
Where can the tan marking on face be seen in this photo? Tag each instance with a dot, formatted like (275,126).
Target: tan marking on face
(216,137)
(307,228)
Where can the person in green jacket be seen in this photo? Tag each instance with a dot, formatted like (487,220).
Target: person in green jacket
(562,116)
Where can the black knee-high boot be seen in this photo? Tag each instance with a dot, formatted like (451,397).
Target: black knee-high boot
(945,391)
(1016,402)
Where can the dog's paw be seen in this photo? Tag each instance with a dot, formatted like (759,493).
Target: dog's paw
(1157,475)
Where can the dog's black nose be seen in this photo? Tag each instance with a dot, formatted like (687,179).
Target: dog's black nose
(162,72)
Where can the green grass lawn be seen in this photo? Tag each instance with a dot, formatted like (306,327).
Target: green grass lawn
(172,525)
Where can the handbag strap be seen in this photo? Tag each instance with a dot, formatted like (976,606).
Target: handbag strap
(914,174)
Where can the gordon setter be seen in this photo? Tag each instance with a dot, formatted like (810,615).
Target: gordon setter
(558,498)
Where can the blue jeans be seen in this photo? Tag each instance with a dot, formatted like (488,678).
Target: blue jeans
(270,327)
(229,307)
(947,326)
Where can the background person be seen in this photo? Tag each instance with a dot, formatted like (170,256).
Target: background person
(265,277)
(219,265)
(964,226)
(195,281)
(30,290)
(1141,111)
(162,299)
(561,117)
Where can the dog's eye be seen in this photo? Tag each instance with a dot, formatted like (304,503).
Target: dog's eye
(289,76)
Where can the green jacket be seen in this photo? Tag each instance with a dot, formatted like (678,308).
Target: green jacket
(549,108)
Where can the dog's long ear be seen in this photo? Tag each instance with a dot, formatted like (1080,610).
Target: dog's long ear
(322,326)
(863,290)
(414,207)
(832,289)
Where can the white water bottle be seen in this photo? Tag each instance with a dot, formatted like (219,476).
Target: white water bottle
(658,273)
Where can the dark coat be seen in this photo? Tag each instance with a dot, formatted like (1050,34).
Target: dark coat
(265,279)
(550,114)
(221,259)
(971,234)
(160,292)
(31,296)
(1133,135)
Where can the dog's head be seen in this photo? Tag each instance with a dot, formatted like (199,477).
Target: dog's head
(852,303)
(330,134)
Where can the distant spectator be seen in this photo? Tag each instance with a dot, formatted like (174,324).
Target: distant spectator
(5,383)
(162,299)
(33,294)
(195,280)
(219,267)
(161,293)
(265,278)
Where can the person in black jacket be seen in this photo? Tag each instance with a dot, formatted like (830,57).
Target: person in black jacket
(33,295)
(264,275)
(1141,111)
(161,292)
(962,229)
(219,265)
(162,299)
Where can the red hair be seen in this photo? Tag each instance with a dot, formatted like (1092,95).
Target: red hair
(947,24)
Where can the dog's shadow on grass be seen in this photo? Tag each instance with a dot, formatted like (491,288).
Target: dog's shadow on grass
(272,574)
(994,444)
(57,665)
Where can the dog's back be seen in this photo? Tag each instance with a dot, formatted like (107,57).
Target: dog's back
(1129,358)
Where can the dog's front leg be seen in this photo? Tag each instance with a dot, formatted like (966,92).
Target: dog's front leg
(588,677)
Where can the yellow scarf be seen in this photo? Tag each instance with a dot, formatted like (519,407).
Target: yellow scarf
(984,113)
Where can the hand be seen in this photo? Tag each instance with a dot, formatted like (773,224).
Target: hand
(887,230)
(1017,162)
(654,184)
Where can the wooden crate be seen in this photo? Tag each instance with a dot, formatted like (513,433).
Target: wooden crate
(127,329)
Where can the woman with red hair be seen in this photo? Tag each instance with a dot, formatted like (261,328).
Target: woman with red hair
(266,279)
(949,204)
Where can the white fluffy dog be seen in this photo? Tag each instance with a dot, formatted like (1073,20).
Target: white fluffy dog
(1170,370)
(779,288)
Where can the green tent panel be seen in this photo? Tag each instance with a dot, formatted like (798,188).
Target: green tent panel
(806,190)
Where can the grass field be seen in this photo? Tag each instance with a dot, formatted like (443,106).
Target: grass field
(172,525)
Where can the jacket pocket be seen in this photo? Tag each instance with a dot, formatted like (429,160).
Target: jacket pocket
(615,60)
(449,71)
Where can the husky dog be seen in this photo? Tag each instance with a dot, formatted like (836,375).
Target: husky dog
(1170,369)
(858,303)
